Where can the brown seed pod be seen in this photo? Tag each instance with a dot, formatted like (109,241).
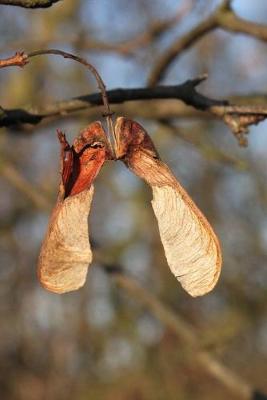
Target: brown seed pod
(65,253)
(191,246)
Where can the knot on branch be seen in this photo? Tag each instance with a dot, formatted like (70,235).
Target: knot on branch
(239,123)
(19,60)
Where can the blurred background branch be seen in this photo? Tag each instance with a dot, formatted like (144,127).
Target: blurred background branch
(189,338)
(224,18)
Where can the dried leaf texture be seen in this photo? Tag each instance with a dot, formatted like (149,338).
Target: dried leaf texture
(190,244)
(66,253)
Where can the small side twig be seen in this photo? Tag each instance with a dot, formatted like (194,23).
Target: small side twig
(81,60)
(165,60)
(107,113)
(223,17)
(240,118)
(18,60)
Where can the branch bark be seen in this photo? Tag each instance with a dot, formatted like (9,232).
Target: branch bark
(29,3)
(185,92)
(237,117)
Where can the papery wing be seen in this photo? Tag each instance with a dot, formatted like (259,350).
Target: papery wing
(191,247)
(65,253)
(190,244)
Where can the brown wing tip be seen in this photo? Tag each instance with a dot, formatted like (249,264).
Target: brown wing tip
(206,284)
(191,247)
(56,284)
(61,280)
(201,290)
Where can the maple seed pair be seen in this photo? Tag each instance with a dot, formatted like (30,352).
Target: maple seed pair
(190,244)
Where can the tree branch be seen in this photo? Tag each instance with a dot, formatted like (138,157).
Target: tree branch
(165,60)
(237,117)
(29,3)
(224,18)
(229,21)
(152,32)
(188,337)
(185,92)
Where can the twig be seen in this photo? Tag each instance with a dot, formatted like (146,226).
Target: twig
(80,60)
(229,21)
(165,60)
(224,18)
(107,114)
(18,60)
(238,118)
(29,3)
(185,92)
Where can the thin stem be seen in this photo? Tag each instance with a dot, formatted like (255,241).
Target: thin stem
(100,83)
